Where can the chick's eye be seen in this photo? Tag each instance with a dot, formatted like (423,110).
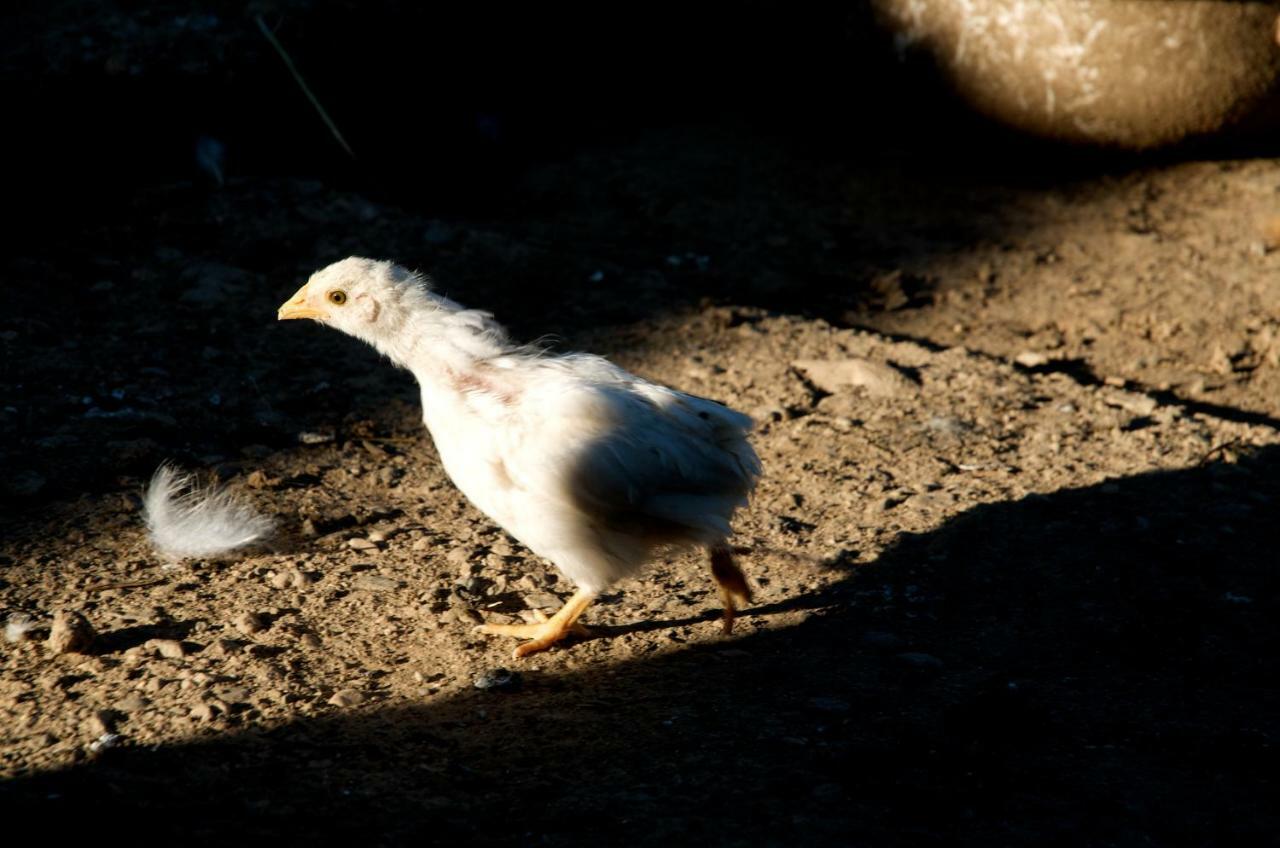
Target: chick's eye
(337,297)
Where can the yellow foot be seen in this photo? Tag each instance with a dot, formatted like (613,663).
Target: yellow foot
(541,636)
(547,631)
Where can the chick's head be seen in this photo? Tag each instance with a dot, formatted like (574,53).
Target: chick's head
(362,297)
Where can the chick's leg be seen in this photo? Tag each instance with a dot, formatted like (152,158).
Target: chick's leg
(732,582)
(546,633)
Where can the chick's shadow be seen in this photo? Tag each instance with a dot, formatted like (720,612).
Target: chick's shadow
(1094,666)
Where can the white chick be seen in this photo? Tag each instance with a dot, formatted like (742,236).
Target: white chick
(587,465)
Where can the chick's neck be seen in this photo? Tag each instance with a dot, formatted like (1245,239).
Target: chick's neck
(443,344)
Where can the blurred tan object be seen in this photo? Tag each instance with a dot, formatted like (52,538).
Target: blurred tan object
(1127,73)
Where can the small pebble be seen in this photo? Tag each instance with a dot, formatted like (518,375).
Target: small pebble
(223,648)
(879,379)
(360,544)
(234,694)
(203,712)
(377,583)
(258,480)
(71,633)
(498,679)
(346,698)
(1031,359)
(132,703)
(541,600)
(1138,404)
(250,623)
(170,649)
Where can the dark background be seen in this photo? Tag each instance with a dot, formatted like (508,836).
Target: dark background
(442,103)
(445,105)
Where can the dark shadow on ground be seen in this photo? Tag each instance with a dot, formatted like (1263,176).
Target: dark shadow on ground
(1091,667)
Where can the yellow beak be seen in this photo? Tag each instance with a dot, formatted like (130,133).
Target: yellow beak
(296,307)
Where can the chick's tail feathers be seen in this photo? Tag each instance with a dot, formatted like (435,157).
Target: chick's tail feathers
(186,518)
(734,589)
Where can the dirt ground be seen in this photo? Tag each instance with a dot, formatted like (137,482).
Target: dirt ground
(1016,588)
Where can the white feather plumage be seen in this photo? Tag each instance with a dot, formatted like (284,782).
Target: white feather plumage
(18,626)
(588,465)
(186,518)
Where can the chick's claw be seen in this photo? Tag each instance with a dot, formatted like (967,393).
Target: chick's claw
(541,636)
(546,631)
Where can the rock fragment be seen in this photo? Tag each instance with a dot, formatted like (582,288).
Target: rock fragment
(71,633)
(377,583)
(879,379)
(346,698)
(170,649)
(204,711)
(498,679)
(250,623)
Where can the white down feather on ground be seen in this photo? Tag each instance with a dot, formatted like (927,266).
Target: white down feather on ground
(187,518)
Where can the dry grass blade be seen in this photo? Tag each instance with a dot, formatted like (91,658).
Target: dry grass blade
(302,83)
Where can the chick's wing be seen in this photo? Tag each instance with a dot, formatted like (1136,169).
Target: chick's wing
(620,448)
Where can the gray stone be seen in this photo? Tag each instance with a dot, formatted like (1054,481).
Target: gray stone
(377,583)
(498,680)
(347,698)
